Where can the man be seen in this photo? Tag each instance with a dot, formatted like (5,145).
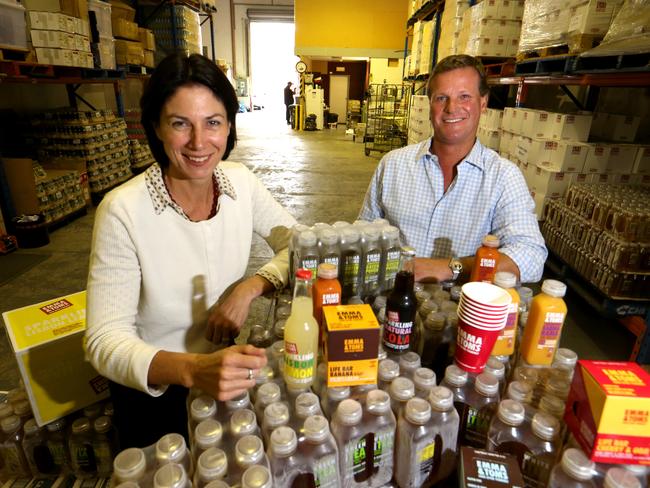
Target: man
(288,100)
(446,193)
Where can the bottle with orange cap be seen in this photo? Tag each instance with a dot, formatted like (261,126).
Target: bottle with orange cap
(486,260)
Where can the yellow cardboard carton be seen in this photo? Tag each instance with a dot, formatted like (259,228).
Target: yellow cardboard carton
(47,339)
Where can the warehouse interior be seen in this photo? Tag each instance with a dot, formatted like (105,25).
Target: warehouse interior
(359,70)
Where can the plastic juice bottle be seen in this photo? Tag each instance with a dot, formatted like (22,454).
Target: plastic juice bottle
(171,449)
(301,335)
(371,261)
(332,397)
(275,415)
(308,251)
(268,393)
(130,465)
(482,404)
(620,478)
(446,422)
(256,477)
(211,465)
(329,251)
(285,465)
(38,455)
(81,449)
(507,433)
(498,370)
(401,307)
(401,391)
(522,392)
(104,445)
(486,260)
(436,340)
(350,264)
(390,254)
(207,434)
(353,451)
(243,422)
(542,452)
(319,446)
(202,408)
(457,381)
(56,443)
(424,380)
(293,250)
(388,370)
(379,424)
(574,471)
(564,362)
(11,450)
(249,451)
(171,476)
(326,291)
(544,326)
(505,344)
(408,363)
(307,405)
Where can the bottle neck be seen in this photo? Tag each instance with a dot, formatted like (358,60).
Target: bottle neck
(302,288)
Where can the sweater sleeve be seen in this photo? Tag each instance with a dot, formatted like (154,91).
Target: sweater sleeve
(112,343)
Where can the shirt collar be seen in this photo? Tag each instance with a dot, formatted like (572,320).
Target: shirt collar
(160,196)
(474,157)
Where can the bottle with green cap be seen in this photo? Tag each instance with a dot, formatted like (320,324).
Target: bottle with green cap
(319,447)
(575,470)
(38,455)
(445,420)
(543,450)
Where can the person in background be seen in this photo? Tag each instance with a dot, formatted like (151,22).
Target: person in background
(447,192)
(169,252)
(288,100)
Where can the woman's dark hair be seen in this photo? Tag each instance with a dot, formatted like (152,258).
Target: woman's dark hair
(173,72)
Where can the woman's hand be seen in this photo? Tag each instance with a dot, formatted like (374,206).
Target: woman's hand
(225,374)
(229,314)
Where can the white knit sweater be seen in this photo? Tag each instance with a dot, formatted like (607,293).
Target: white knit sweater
(154,274)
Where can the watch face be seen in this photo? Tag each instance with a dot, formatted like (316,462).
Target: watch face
(301,67)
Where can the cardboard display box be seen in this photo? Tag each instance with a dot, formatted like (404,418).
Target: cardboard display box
(482,469)
(47,339)
(608,411)
(351,345)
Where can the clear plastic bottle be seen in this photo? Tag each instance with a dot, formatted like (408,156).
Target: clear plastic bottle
(401,307)
(388,370)
(641,473)
(408,363)
(552,405)
(81,449)
(320,381)
(436,341)
(498,370)
(564,362)
(522,392)
(307,254)
(212,465)
(233,405)
(275,415)
(401,391)
(371,260)
(212,484)
(390,255)
(257,477)
(427,307)
(243,422)
(266,394)
(457,381)
(445,421)
(6,410)
(557,385)
(307,404)
(249,451)
(104,445)
(379,424)
(573,471)
(330,252)
(296,230)
(35,448)
(276,358)
(58,446)
(424,380)
(360,392)
(287,468)
(350,267)
(171,449)
(301,336)
(415,450)
(319,446)
(482,404)
(265,376)
(620,478)
(543,449)
(507,433)
(202,408)
(130,465)
(171,476)
(93,411)
(334,396)
(207,434)
(353,451)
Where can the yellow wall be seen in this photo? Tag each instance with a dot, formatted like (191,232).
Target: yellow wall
(372,28)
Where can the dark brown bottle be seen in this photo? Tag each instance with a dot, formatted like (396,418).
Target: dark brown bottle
(401,307)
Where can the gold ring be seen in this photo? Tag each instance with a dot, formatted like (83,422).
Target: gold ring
(250,374)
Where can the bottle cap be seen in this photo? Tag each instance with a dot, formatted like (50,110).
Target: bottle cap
(454,293)
(22,408)
(92,411)
(307,404)
(56,425)
(276,414)
(170,476)
(424,378)
(212,484)
(378,402)
(511,412)
(339,224)
(284,441)
(6,410)
(491,241)
(422,296)
(620,478)
(170,448)
(638,469)
(349,412)
(427,307)
(487,384)
(30,427)
(552,405)
(565,358)
(435,321)
(307,238)
(316,428)
(545,426)
(349,235)
(298,228)
(496,368)
(208,433)
(327,271)
(557,386)
(382,354)
(338,392)
(243,422)
(527,374)
(212,463)
(203,407)
(441,398)
(282,312)
(402,389)
(268,393)
(329,237)
(505,279)
(390,232)
(249,450)
(408,251)
(256,477)
(409,361)
(451,319)
(576,465)
(380,302)
(303,274)
(520,391)
(130,464)
(102,424)
(81,425)
(455,376)
(417,411)
(242,401)
(554,288)
(388,370)
(371,233)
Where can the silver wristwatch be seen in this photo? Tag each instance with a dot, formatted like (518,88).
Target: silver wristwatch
(456,267)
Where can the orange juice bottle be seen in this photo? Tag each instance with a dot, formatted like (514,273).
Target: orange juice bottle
(327,290)
(544,325)
(486,260)
(505,344)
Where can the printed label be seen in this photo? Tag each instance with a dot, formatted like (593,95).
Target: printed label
(550,331)
(351,272)
(536,470)
(299,367)
(325,472)
(332,260)
(397,334)
(392,264)
(477,425)
(383,456)
(331,299)
(310,264)
(11,458)
(372,267)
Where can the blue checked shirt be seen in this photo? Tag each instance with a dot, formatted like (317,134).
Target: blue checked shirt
(488,196)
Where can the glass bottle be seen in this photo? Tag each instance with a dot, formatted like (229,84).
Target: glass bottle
(38,456)
(301,335)
(390,254)
(350,263)
(81,449)
(104,445)
(401,307)
(446,421)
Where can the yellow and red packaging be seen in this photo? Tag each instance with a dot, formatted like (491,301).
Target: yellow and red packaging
(608,411)
(351,345)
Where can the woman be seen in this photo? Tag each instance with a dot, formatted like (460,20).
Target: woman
(167,245)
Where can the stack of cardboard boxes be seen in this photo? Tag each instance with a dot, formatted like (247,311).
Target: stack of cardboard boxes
(451,24)
(419,123)
(187,34)
(489,128)
(59,32)
(491,28)
(102,34)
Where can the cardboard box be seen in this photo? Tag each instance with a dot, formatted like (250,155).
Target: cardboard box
(51,38)
(621,158)
(596,158)
(147,39)
(76,164)
(47,339)
(542,153)
(46,21)
(552,184)
(483,469)
(608,411)
(642,161)
(351,345)
(574,127)
(125,29)
(516,120)
(541,204)
(622,128)
(22,185)
(42,5)
(120,10)
(536,124)
(569,158)
(128,52)
(593,17)
(75,8)
(149,59)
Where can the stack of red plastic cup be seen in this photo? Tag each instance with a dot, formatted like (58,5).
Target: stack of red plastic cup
(482,314)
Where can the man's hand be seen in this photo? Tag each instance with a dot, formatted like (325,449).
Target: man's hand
(427,269)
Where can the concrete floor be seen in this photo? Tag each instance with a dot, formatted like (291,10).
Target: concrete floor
(319,177)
